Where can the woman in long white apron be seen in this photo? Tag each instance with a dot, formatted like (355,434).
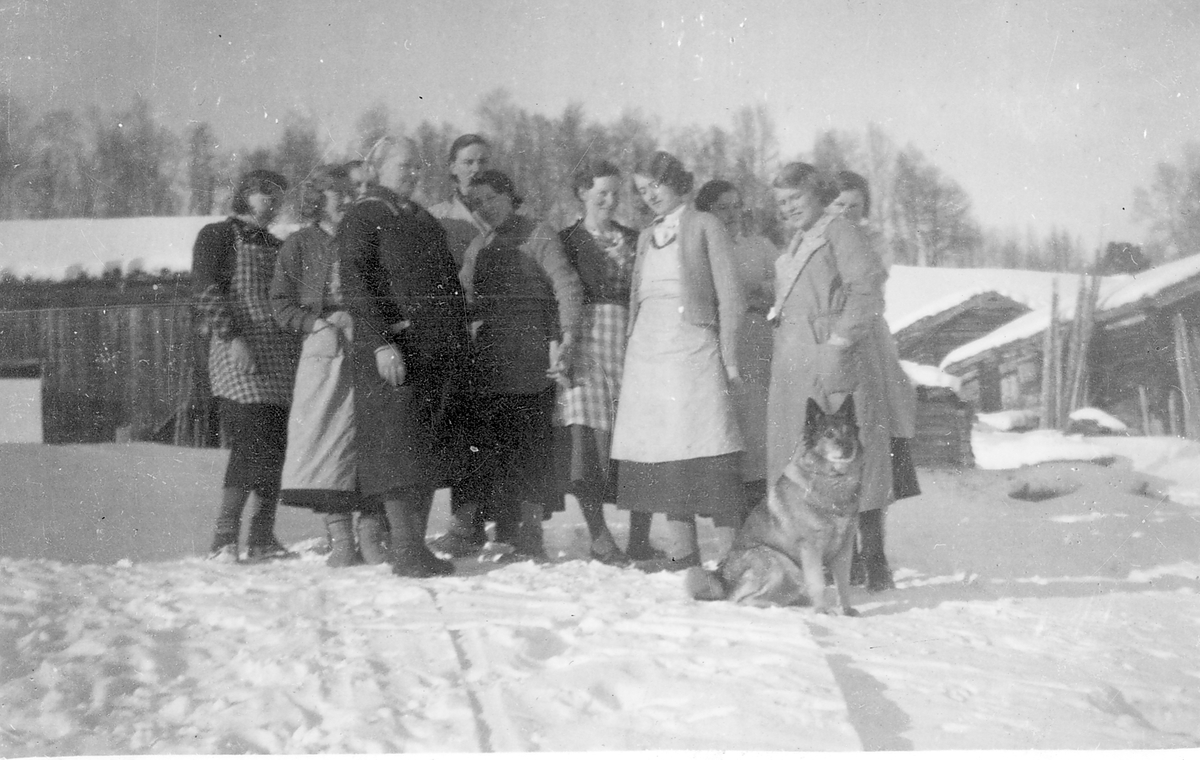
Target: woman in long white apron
(676,433)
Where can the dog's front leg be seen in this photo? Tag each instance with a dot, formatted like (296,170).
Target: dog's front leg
(811,564)
(840,567)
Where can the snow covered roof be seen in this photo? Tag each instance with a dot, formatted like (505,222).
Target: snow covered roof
(51,249)
(915,293)
(1118,294)
(1153,282)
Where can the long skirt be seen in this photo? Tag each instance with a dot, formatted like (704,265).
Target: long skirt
(320,470)
(676,433)
(588,407)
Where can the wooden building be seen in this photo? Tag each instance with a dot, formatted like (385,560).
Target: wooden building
(1141,361)
(965,317)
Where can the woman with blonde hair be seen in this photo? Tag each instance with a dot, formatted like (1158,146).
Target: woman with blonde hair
(827,312)
(403,293)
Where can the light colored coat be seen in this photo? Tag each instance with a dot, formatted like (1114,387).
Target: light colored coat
(829,283)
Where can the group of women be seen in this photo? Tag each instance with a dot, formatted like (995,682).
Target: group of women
(470,346)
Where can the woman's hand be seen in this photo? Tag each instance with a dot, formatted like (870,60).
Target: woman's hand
(390,364)
(241,356)
(734,376)
(562,355)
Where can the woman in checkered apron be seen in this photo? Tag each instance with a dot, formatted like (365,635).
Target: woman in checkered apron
(602,251)
(251,360)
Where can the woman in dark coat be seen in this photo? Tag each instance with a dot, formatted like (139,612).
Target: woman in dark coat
(251,361)
(410,335)
(527,299)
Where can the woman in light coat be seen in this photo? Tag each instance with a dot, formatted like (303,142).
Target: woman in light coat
(827,312)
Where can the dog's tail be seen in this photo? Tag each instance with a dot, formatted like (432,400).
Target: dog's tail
(705,585)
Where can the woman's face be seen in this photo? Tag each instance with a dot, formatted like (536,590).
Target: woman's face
(851,205)
(467,163)
(400,171)
(494,208)
(361,179)
(728,208)
(798,207)
(334,206)
(264,205)
(662,199)
(601,199)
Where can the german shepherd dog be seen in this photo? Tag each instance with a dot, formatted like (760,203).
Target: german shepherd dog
(807,521)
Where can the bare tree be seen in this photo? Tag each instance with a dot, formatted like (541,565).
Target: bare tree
(201,169)
(55,179)
(935,226)
(1172,206)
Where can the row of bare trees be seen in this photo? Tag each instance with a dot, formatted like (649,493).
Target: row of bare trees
(123,163)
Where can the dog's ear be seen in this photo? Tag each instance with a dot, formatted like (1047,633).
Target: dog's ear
(847,409)
(813,411)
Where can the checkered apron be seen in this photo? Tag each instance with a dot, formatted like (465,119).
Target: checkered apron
(596,382)
(275,352)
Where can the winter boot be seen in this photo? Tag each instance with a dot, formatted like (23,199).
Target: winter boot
(463,539)
(879,575)
(408,513)
(372,540)
(341,541)
(684,551)
(229,524)
(263,546)
(529,541)
(640,549)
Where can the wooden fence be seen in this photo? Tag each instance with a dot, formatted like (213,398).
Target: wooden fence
(135,372)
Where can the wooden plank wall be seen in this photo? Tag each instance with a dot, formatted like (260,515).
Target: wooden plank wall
(105,369)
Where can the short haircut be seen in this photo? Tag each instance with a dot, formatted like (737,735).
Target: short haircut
(667,170)
(257,181)
(801,176)
(498,181)
(463,142)
(312,189)
(710,192)
(848,180)
(586,174)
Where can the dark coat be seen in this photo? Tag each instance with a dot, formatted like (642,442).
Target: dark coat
(396,268)
(526,294)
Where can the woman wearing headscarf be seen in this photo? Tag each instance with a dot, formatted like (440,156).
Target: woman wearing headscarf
(251,360)
(676,434)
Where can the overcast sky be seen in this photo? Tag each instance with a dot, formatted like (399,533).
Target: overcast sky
(1045,112)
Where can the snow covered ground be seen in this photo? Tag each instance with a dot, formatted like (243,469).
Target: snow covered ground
(1042,605)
